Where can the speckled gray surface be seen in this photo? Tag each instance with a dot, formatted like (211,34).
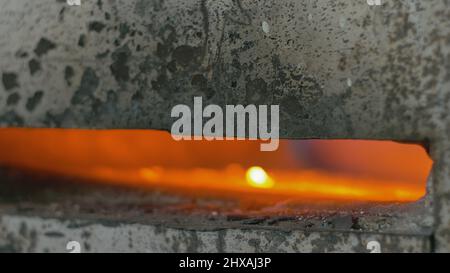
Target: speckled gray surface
(31,234)
(338,69)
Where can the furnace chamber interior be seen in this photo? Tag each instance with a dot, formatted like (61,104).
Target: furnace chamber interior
(307,172)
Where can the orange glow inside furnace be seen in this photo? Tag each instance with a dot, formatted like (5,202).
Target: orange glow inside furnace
(336,170)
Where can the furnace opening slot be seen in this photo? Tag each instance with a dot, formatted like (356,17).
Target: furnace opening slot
(300,170)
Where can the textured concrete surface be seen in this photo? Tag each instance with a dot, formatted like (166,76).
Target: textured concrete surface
(338,69)
(29,234)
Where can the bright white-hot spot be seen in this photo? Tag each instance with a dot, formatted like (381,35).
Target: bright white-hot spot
(258,178)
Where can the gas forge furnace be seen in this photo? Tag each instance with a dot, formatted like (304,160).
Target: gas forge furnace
(86,93)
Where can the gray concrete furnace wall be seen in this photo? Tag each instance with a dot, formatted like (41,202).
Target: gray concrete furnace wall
(338,69)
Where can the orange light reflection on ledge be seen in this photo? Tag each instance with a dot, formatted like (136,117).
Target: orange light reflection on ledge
(311,170)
